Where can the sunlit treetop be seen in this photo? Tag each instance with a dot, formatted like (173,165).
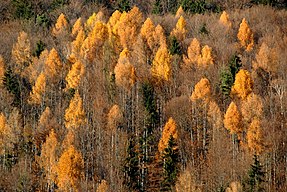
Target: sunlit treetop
(75,74)
(255,138)
(180,29)
(232,119)
(61,25)
(113,22)
(38,90)
(169,130)
(53,64)
(193,52)
(243,84)
(206,58)
(202,90)
(2,69)
(147,32)
(78,26)
(159,36)
(224,19)
(95,17)
(179,12)
(245,36)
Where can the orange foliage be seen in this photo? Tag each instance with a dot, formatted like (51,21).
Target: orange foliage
(224,19)
(179,12)
(255,138)
(179,32)
(232,119)
(252,107)
(78,26)
(245,36)
(2,69)
(193,52)
(38,90)
(53,65)
(202,90)
(75,74)
(205,58)
(103,186)
(61,25)
(243,84)
(170,129)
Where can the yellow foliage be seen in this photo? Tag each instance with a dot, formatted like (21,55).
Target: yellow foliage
(38,90)
(224,19)
(205,58)
(179,12)
(243,84)
(61,25)
(193,52)
(53,65)
(245,36)
(234,186)
(75,115)
(180,29)
(129,27)
(252,107)
(214,115)
(48,158)
(255,138)
(37,66)
(161,65)
(115,117)
(2,69)
(93,19)
(147,31)
(77,44)
(21,52)
(266,58)
(75,74)
(70,170)
(159,36)
(6,135)
(125,71)
(232,119)
(103,186)
(202,90)
(113,21)
(77,27)
(170,129)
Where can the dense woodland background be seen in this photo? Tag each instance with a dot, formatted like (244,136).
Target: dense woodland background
(143,95)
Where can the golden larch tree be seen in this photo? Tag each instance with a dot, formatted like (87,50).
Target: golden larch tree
(224,19)
(38,90)
(243,84)
(180,12)
(202,90)
(115,117)
(70,170)
(169,130)
(61,26)
(124,71)
(193,52)
(245,36)
(2,69)
(113,22)
(75,115)
(205,58)
(37,66)
(254,137)
(232,119)
(161,65)
(5,132)
(75,74)
(252,107)
(78,26)
(21,53)
(93,19)
(159,36)
(179,32)
(48,157)
(147,31)
(129,27)
(76,45)
(266,58)
(53,65)
(103,186)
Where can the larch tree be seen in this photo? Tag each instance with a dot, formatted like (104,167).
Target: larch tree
(224,19)
(255,139)
(179,32)
(169,130)
(61,26)
(243,84)
(38,90)
(252,107)
(159,36)
(93,19)
(6,143)
(75,74)
(232,119)
(202,90)
(75,115)
(76,45)
(70,170)
(161,65)
(2,69)
(180,12)
(103,186)
(53,65)
(147,31)
(245,36)
(77,27)
(21,53)
(125,74)
(37,66)
(214,115)
(206,58)
(48,158)
(129,27)
(193,52)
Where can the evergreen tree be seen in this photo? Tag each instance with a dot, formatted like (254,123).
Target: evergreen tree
(174,47)
(124,5)
(157,7)
(11,82)
(256,176)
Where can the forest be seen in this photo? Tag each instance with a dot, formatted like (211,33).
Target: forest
(131,95)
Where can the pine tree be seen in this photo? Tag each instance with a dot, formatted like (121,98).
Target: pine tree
(38,90)
(93,19)
(70,170)
(256,176)
(243,84)
(161,66)
(245,36)
(75,115)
